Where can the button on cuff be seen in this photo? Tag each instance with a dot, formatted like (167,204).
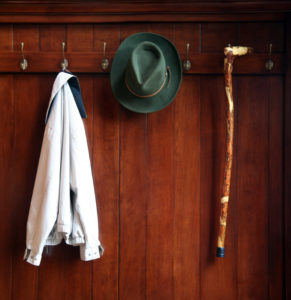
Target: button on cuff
(31,258)
(90,253)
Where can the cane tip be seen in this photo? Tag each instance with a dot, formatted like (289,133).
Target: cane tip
(220,252)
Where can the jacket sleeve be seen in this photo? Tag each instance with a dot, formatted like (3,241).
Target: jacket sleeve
(83,188)
(44,202)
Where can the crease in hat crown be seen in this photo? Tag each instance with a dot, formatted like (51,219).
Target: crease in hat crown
(146,70)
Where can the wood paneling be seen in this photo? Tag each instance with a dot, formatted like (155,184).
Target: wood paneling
(220,272)
(186,186)
(6,183)
(51,37)
(252,188)
(79,37)
(28,34)
(133,204)
(275,191)
(159,258)
(157,176)
(6,37)
(29,127)
(215,36)
(287,166)
(106,178)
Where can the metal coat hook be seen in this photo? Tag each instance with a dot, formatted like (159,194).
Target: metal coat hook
(187,62)
(105,61)
(64,63)
(269,64)
(23,63)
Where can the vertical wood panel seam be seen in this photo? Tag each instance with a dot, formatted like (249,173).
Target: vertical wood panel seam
(285,107)
(12,40)
(118,229)
(93,149)
(200,119)
(38,31)
(200,38)
(146,203)
(173,187)
(173,199)
(13,182)
(236,184)
(268,187)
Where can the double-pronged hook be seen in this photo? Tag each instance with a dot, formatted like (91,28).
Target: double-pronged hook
(105,61)
(269,64)
(187,62)
(23,63)
(64,63)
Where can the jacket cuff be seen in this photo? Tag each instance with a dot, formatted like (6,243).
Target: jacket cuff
(87,253)
(32,259)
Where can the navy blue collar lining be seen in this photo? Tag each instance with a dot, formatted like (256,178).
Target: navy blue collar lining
(76,91)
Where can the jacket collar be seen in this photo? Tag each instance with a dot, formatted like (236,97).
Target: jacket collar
(61,79)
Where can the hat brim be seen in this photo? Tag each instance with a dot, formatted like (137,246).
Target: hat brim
(117,74)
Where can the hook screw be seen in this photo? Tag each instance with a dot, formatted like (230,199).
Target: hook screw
(64,63)
(187,62)
(105,61)
(23,63)
(269,64)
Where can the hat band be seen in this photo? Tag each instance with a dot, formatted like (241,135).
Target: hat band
(157,91)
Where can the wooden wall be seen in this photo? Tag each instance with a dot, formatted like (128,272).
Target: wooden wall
(157,176)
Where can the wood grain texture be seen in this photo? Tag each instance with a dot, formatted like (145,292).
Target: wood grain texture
(6,37)
(165,29)
(159,259)
(6,182)
(287,167)
(275,192)
(106,179)
(186,160)
(80,37)
(28,34)
(127,30)
(109,33)
(51,37)
(268,32)
(220,272)
(29,128)
(133,205)
(216,36)
(187,33)
(252,187)
(157,176)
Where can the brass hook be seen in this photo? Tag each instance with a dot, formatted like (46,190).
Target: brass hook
(187,62)
(269,64)
(64,63)
(105,61)
(23,63)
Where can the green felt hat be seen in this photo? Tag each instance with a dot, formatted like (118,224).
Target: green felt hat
(146,72)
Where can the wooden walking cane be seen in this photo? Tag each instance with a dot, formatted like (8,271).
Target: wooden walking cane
(231,53)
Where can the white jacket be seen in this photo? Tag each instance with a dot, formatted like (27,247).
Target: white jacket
(63,204)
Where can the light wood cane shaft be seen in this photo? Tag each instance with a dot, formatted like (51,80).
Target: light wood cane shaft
(228,61)
(230,54)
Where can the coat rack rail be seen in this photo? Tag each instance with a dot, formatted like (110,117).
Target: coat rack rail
(89,62)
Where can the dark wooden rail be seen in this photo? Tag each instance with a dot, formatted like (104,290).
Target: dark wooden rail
(89,62)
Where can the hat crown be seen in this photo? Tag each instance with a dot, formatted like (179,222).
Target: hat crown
(146,69)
